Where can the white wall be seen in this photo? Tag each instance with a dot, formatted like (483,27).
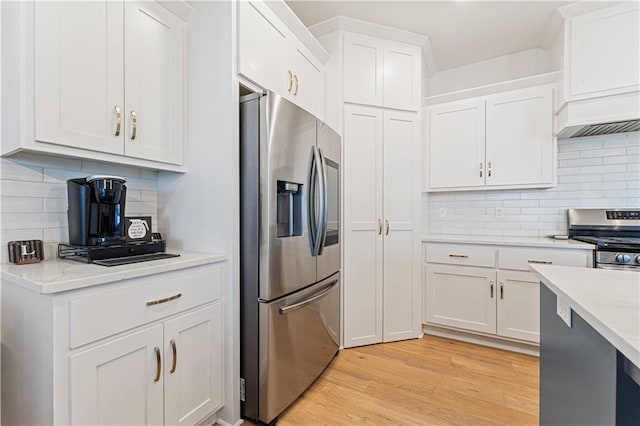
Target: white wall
(508,67)
(199,210)
(592,172)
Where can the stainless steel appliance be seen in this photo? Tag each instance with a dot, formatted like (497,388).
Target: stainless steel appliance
(614,232)
(290,252)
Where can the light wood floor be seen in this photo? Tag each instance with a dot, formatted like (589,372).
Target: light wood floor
(429,381)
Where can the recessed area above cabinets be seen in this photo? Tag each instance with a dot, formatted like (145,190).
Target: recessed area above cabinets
(498,141)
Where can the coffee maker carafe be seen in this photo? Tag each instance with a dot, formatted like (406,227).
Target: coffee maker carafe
(96,210)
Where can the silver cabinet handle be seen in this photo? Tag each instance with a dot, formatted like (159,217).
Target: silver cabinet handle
(480,169)
(158,364)
(175,356)
(542,262)
(118,120)
(489,169)
(379,226)
(295,77)
(134,125)
(386,222)
(459,256)
(501,291)
(286,309)
(491,289)
(165,300)
(290,81)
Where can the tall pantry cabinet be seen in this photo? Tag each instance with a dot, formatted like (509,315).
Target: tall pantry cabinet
(373,90)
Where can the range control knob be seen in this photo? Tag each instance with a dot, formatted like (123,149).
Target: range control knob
(623,258)
(638,259)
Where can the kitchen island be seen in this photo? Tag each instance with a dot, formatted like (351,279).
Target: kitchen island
(589,346)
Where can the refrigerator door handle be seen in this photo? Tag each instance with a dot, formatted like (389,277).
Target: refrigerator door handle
(322,229)
(313,200)
(294,306)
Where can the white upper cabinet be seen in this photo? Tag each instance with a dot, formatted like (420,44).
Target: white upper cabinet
(381,73)
(456,144)
(498,141)
(401,88)
(155,41)
(272,57)
(363,69)
(604,51)
(519,135)
(262,47)
(78,73)
(101,80)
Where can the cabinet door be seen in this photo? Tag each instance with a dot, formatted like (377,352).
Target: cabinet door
(520,137)
(461,297)
(114,383)
(362,165)
(155,82)
(363,69)
(401,87)
(518,309)
(308,84)
(604,50)
(456,144)
(262,47)
(401,190)
(193,366)
(79,74)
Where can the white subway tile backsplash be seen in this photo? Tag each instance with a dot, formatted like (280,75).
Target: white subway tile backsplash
(33,204)
(601,171)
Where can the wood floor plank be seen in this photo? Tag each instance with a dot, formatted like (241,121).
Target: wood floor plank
(428,381)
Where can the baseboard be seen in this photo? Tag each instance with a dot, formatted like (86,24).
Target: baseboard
(493,342)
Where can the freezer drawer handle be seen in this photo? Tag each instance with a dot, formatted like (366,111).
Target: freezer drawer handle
(286,309)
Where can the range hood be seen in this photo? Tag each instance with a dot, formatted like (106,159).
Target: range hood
(600,115)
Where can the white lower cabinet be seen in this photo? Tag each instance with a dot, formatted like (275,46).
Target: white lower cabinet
(150,353)
(487,289)
(462,297)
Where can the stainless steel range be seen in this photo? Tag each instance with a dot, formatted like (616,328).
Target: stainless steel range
(614,232)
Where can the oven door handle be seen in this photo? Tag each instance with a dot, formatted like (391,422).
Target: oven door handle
(295,306)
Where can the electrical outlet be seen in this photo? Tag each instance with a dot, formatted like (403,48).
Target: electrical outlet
(563,310)
(442,212)
(499,212)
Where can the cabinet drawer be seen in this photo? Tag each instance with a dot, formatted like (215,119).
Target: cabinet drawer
(521,258)
(148,299)
(461,254)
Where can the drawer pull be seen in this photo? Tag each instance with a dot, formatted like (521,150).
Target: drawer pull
(459,256)
(491,291)
(158,364)
(165,300)
(543,262)
(501,291)
(175,356)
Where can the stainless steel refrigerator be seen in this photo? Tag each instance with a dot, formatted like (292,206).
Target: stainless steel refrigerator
(289,254)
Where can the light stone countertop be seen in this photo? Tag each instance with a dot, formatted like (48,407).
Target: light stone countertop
(507,241)
(57,275)
(609,300)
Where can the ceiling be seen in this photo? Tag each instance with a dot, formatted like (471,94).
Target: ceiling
(461,32)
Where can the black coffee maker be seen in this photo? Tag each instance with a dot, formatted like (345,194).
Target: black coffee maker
(96,210)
